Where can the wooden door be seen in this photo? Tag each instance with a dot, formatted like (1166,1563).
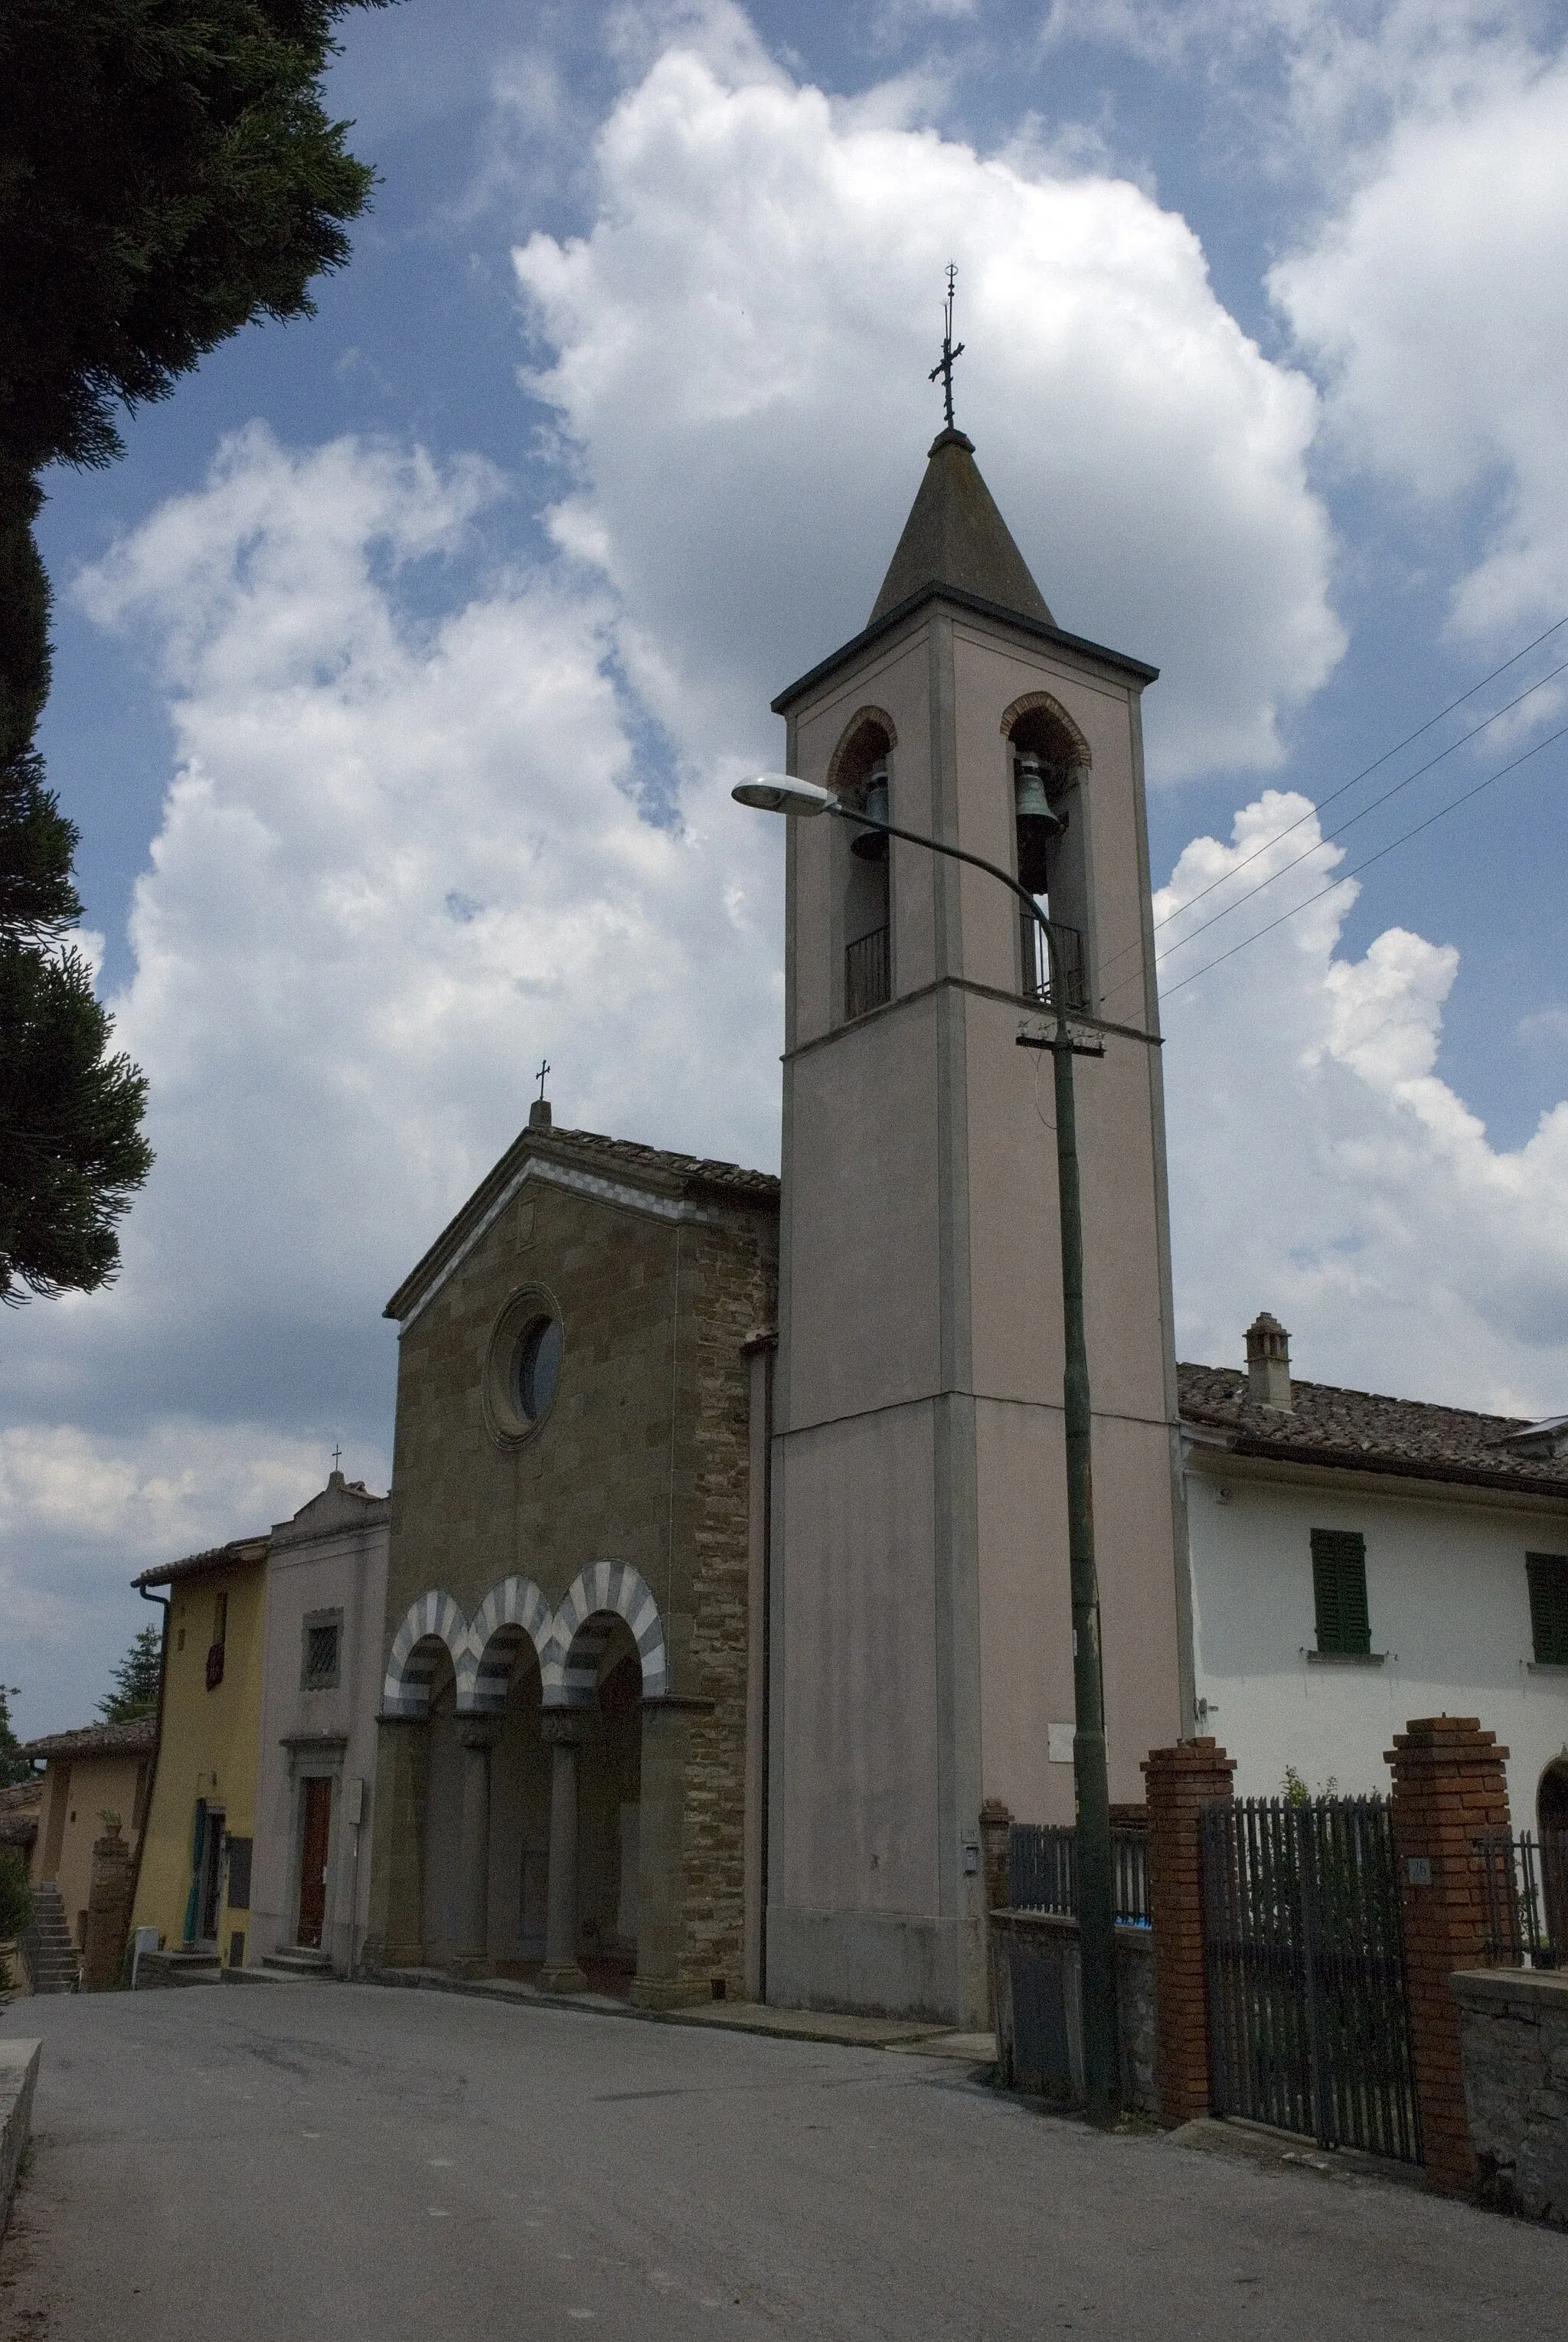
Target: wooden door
(316,1824)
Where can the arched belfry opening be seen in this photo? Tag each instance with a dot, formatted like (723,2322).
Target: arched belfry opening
(1048,768)
(862,773)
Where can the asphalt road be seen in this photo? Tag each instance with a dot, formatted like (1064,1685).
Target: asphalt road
(333,2161)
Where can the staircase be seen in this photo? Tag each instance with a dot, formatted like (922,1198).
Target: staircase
(298,1961)
(50,1956)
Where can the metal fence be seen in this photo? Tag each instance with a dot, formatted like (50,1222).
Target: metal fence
(1037,974)
(1525,1895)
(866,974)
(1042,1871)
(1308,2021)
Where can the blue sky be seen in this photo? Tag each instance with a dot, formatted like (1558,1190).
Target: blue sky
(404,663)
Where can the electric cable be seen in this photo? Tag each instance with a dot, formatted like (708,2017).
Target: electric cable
(1452,806)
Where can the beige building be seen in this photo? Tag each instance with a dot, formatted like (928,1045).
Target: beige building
(102,1768)
(565,1784)
(920,1654)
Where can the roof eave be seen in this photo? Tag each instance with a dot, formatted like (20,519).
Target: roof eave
(935,592)
(1400,1468)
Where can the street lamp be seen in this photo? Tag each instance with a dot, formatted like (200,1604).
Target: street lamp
(783,793)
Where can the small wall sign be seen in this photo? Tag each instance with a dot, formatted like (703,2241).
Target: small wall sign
(1418,1869)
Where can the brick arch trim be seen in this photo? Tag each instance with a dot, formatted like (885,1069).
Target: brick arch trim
(877,716)
(1040,703)
(411,1664)
(609,1589)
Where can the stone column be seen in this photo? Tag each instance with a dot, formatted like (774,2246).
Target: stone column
(1179,1781)
(1448,1786)
(476,1736)
(562,1729)
(395,1932)
(108,1912)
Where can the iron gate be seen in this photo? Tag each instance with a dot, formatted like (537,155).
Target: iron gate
(1309,2024)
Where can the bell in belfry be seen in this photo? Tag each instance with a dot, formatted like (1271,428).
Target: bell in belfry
(1039,823)
(870,844)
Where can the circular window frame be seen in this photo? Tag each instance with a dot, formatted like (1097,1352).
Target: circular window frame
(504,1417)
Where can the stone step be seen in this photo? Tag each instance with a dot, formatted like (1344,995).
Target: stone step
(300,1961)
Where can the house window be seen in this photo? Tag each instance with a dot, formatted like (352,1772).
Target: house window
(322,1650)
(1547,1574)
(1338,1592)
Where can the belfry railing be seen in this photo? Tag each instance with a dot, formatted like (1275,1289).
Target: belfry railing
(866,974)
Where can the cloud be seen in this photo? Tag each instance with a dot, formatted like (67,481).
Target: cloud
(1320,1165)
(1434,306)
(738,349)
(82,1513)
(404,854)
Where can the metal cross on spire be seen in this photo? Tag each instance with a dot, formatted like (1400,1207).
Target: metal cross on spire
(337,1459)
(944,364)
(543,1069)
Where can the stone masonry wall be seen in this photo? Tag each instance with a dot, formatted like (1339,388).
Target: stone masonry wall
(1514,2032)
(735,1286)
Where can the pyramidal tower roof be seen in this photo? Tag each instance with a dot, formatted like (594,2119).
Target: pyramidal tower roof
(955,536)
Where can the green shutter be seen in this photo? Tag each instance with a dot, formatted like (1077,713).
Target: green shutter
(1339,1591)
(1547,1574)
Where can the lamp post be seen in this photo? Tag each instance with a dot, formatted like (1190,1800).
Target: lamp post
(781,793)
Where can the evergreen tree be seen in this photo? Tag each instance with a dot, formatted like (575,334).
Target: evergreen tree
(168,173)
(136,1691)
(14,1766)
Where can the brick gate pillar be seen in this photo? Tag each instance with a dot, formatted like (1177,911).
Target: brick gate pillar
(108,1911)
(1180,1780)
(1448,1786)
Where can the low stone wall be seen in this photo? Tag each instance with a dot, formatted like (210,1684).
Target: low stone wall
(1037,1995)
(18,2077)
(1513,2035)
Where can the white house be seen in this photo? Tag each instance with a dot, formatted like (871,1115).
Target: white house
(1359,1560)
(325,1613)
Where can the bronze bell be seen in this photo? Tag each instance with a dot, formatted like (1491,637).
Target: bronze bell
(1039,823)
(870,844)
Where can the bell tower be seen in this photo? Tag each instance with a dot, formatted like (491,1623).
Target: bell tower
(920,1642)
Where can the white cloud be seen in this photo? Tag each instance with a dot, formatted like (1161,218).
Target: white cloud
(1435,305)
(82,1513)
(740,350)
(402,858)
(1320,1165)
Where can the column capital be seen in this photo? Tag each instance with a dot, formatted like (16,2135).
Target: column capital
(562,1727)
(478,1731)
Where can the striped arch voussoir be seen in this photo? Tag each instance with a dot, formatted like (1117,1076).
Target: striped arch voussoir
(581,1627)
(411,1663)
(511,1613)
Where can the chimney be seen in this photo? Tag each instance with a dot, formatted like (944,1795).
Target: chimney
(1268,1363)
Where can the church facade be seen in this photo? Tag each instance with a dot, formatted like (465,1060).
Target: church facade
(563,1776)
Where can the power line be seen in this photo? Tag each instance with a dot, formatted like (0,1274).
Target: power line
(1452,806)
(1329,836)
(1367,770)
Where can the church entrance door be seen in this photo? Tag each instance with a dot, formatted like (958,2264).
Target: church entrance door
(315,1825)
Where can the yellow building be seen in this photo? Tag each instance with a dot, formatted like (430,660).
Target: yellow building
(195,1867)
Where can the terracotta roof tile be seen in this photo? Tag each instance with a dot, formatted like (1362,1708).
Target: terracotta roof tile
(1368,1432)
(137,1738)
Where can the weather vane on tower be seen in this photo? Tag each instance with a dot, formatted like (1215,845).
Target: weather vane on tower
(944,364)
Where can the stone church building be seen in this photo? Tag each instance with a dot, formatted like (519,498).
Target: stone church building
(703,1659)
(564,1768)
